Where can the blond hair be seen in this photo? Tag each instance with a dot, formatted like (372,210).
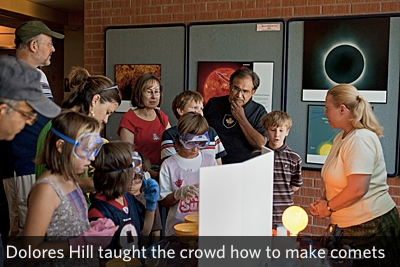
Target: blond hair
(276,118)
(180,101)
(361,110)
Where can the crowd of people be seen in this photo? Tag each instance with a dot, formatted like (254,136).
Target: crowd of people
(70,184)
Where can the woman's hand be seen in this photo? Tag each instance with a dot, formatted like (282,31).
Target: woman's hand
(319,209)
(357,187)
(313,209)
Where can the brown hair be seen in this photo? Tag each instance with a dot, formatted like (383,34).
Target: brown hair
(146,166)
(181,100)
(89,87)
(76,77)
(192,123)
(71,124)
(111,175)
(361,110)
(140,86)
(276,118)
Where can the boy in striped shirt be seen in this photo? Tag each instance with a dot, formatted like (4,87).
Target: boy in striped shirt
(287,163)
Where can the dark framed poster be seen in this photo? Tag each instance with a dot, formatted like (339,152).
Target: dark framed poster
(354,51)
(213,79)
(326,51)
(256,44)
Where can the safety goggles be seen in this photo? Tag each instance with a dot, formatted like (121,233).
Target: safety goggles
(137,163)
(137,178)
(86,146)
(191,141)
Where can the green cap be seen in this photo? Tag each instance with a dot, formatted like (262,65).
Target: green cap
(32,28)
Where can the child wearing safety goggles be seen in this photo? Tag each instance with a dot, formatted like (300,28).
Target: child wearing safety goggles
(152,222)
(179,174)
(114,171)
(57,210)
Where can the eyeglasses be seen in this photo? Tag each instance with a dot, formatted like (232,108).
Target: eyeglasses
(86,146)
(137,179)
(236,90)
(31,116)
(326,109)
(191,141)
(149,92)
(50,45)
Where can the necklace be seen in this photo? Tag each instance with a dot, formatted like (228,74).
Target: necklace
(343,137)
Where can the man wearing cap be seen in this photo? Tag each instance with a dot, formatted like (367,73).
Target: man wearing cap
(33,40)
(20,99)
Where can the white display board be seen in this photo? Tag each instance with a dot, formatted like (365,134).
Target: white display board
(235,207)
(236,199)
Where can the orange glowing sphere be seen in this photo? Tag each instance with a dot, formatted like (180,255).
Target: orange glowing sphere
(295,219)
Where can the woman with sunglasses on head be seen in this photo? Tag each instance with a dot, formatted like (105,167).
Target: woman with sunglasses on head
(179,174)
(57,211)
(95,96)
(144,125)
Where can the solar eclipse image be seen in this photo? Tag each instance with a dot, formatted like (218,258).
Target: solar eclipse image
(353,51)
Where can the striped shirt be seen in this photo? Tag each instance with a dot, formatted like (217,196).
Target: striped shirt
(287,173)
(44,84)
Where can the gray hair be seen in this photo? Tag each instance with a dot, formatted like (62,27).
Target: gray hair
(10,102)
(19,45)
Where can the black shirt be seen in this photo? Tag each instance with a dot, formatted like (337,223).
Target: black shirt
(219,116)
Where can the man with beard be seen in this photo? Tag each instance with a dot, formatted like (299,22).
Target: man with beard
(33,41)
(236,117)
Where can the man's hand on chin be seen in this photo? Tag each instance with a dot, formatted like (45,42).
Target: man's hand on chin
(237,109)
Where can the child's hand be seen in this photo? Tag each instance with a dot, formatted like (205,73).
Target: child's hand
(186,192)
(151,193)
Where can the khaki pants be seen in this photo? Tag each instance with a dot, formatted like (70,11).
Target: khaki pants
(17,189)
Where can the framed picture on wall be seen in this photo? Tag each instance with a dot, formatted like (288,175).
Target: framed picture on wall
(320,135)
(126,76)
(213,79)
(352,50)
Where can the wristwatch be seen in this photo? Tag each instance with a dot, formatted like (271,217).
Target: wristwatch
(329,207)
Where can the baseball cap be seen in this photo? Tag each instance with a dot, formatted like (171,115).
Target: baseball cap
(32,28)
(19,81)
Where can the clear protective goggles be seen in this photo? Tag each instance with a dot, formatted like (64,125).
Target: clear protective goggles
(191,141)
(86,146)
(137,163)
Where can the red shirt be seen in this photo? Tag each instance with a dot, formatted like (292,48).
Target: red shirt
(148,134)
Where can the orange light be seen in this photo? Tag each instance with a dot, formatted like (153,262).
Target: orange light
(295,219)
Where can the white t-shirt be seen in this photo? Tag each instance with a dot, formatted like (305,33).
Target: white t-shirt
(175,172)
(44,83)
(360,152)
